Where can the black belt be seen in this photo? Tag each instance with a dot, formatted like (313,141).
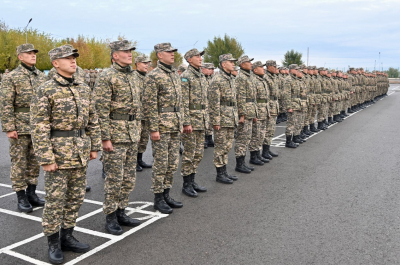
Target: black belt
(274,98)
(261,101)
(249,100)
(303,98)
(76,133)
(22,110)
(124,117)
(169,109)
(228,103)
(295,97)
(196,106)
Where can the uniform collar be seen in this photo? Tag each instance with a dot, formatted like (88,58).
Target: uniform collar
(194,71)
(119,68)
(162,67)
(62,81)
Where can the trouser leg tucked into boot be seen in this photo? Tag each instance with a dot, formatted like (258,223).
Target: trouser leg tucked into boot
(265,152)
(112,225)
(23,202)
(55,253)
(240,165)
(160,204)
(125,220)
(196,186)
(171,202)
(254,159)
(187,188)
(221,177)
(289,142)
(33,199)
(70,243)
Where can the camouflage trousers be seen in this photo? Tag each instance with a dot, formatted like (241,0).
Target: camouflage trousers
(144,137)
(223,139)
(270,130)
(312,112)
(65,191)
(332,108)
(292,122)
(120,168)
(193,151)
(243,136)
(24,166)
(166,160)
(300,124)
(322,111)
(257,135)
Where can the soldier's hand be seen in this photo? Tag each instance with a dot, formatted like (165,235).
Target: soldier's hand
(93,155)
(107,146)
(217,127)
(290,110)
(155,136)
(241,119)
(12,134)
(187,129)
(255,120)
(50,168)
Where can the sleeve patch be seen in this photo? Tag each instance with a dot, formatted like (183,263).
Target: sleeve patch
(184,80)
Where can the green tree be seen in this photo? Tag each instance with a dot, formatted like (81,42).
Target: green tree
(292,57)
(154,59)
(222,46)
(393,72)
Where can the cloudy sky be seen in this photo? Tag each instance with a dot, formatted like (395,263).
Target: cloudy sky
(338,32)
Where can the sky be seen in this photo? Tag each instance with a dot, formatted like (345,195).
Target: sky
(338,33)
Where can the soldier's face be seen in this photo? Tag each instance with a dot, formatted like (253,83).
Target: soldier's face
(333,74)
(28,58)
(228,66)
(271,69)
(259,70)
(166,57)
(195,61)
(204,71)
(142,67)
(65,66)
(246,65)
(305,71)
(123,58)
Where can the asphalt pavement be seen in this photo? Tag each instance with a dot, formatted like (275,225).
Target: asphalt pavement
(333,200)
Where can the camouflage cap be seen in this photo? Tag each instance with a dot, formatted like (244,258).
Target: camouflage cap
(164,47)
(142,59)
(293,66)
(302,66)
(226,57)
(321,69)
(257,64)
(121,45)
(27,47)
(72,47)
(361,69)
(243,59)
(182,68)
(62,52)
(310,67)
(208,66)
(271,63)
(333,71)
(191,53)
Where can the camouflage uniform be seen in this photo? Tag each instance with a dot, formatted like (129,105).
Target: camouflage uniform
(118,106)
(64,131)
(273,86)
(223,112)
(293,89)
(209,131)
(162,105)
(17,89)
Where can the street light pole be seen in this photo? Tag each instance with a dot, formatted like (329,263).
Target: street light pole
(26,33)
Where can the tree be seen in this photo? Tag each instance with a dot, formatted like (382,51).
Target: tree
(222,46)
(154,59)
(393,72)
(292,57)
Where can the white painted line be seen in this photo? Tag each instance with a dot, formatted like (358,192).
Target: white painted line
(23,215)
(37,208)
(94,233)
(23,242)
(25,258)
(8,194)
(83,217)
(5,185)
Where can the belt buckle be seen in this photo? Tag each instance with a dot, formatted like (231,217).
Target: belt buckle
(77,133)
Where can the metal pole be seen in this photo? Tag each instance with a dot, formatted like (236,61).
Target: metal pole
(26,33)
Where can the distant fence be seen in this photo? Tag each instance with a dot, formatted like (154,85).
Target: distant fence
(394,80)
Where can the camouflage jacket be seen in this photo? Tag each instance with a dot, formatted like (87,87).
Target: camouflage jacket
(309,81)
(140,90)
(273,86)
(17,89)
(194,98)
(263,97)
(303,93)
(246,95)
(162,100)
(79,75)
(116,94)
(293,90)
(62,106)
(222,100)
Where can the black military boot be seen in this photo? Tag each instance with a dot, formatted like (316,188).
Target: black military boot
(196,186)
(141,162)
(313,129)
(297,139)
(231,177)
(240,165)
(23,202)
(125,220)
(221,177)
(187,188)
(88,188)
(248,166)
(330,121)
(261,158)
(171,202)
(265,152)
(350,110)
(284,117)
(273,154)
(306,130)
(320,126)
(343,113)
(70,243)
(138,167)
(205,142)
(55,253)
(289,142)
(160,204)
(210,141)
(33,199)
(279,118)
(254,159)
(303,134)
(112,225)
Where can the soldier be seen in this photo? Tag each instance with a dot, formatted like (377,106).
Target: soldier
(293,107)
(181,69)
(142,63)
(235,71)
(162,101)
(208,71)
(65,134)
(118,106)
(247,110)
(223,115)
(195,106)
(304,107)
(273,85)
(17,89)
(314,98)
